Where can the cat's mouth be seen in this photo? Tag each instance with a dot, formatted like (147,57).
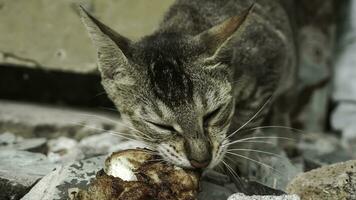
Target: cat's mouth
(169,154)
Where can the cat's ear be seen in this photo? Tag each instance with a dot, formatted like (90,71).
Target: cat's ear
(216,38)
(112,48)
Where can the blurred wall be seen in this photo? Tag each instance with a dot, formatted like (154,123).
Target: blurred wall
(48,33)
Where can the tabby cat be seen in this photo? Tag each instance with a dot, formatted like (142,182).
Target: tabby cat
(211,68)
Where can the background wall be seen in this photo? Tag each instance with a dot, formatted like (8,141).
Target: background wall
(48,34)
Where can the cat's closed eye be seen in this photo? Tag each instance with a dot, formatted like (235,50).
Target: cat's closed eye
(208,117)
(162,126)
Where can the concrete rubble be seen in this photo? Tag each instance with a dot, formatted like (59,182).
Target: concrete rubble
(20,170)
(70,162)
(336,181)
(56,184)
(33,120)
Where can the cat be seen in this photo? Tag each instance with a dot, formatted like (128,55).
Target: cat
(210,70)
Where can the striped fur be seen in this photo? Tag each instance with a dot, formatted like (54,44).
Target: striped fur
(202,74)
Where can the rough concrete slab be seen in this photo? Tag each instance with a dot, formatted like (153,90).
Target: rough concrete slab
(49,34)
(336,181)
(35,145)
(32,120)
(55,185)
(19,171)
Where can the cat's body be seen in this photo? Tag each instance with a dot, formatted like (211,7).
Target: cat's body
(203,74)
(264,51)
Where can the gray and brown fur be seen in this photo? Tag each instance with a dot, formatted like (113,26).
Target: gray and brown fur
(202,74)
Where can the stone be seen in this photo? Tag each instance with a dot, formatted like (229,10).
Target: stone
(219,191)
(222,187)
(56,184)
(49,34)
(36,145)
(322,149)
(219,183)
(7,138)
(64,150)
(342,120)
(344,82)
(241,196)
(61,144)
(20,170)
(337,181)
(10,141)
(99,144)
(34,120)
(256,188)
(272,168)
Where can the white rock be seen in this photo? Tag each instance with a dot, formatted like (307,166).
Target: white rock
(240,196)
(64,150)
(7,138)
(99,144)
(61,143)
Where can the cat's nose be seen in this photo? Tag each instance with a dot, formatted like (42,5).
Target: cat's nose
(199,165)
(198,153)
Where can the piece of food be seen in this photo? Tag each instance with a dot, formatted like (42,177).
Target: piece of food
(125,163)
(136,175)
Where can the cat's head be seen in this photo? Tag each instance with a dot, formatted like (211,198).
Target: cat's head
(174,89)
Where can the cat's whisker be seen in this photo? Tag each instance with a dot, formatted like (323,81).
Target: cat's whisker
(121,136)
(109,109)
(111,120)
(149,150)
(116,122)
(252,138)
(252,118)
(155,160)
(155,153)
(256,141)
(276,127)
(110,132)
(255,161)
(257,151)
(220,166)
(138,139)
(232,171)
(139,136)
(99,94)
